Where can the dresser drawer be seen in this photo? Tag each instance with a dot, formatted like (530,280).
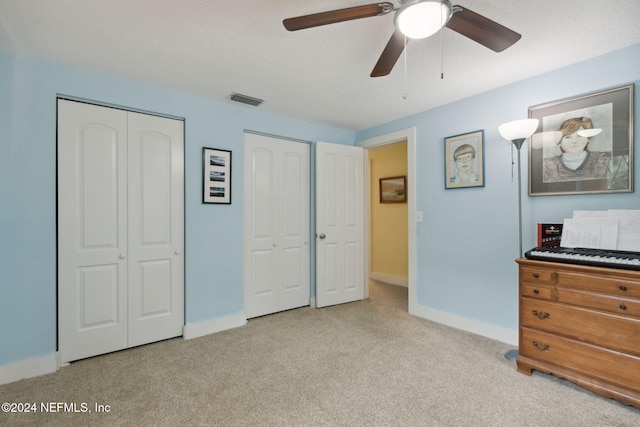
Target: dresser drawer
(597,362)
(613,304)
(597,327)
(536,291)
(601,283)
(534,276)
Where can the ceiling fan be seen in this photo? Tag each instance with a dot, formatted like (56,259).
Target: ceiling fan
(415,19)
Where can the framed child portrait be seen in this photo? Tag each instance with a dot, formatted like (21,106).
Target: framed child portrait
(583,144)
(464,160)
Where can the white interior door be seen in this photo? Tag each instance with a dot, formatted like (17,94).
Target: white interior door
(156,218)
(339,224)
(120,229)
(277,272)
(92,230)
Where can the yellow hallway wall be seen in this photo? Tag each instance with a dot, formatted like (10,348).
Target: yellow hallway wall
(389,227)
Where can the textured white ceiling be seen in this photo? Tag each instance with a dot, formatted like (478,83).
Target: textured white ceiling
(213,48)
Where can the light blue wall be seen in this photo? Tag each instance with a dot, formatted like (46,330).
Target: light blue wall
(214,233)
(466,244)
(469,238)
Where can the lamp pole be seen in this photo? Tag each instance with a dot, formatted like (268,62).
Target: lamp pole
(518,143)
(512,354)
(517,132)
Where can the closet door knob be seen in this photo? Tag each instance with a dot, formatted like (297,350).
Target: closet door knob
(122,256)
(178,252)
(322,236)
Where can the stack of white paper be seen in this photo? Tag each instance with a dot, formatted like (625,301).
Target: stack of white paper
(628,229)
(610,230)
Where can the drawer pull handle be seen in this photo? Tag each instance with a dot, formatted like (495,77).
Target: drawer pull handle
(623,288)
(623,307)
(535,291)
(541,347)
(540,314)
(536,275)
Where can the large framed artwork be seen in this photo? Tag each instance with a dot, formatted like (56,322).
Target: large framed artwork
(464,160)
(583,144)
(216,176)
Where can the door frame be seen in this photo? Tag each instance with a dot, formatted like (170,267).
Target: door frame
(408,135)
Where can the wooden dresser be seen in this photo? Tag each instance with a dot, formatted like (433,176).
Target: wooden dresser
(581,323)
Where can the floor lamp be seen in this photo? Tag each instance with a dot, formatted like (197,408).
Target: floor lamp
(517,132)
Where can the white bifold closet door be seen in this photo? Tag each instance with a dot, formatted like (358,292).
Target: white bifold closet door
(120,229)
(276,218)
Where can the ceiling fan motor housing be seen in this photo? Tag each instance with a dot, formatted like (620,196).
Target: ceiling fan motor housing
(418,19)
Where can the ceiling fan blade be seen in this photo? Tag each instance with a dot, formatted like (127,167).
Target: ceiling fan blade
(339,15)
(389,55)
(482,30)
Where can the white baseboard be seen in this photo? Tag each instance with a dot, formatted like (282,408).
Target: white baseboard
(51,363)
(387,278)
(195,330)
(28,368)
(479,328)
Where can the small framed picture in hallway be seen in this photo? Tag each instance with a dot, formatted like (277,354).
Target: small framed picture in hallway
(216,175)
(393,189)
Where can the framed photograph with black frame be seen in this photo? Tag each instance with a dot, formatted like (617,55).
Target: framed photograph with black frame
(583,144)
(216,176)
(464,160)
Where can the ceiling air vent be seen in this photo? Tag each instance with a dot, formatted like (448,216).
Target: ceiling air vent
(238,97)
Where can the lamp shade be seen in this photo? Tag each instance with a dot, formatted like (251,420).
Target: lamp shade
(418,19)
(518,129)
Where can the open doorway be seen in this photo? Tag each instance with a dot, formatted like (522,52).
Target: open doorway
(386,286)
(388,221)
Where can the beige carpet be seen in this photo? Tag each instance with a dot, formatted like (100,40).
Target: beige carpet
(367,363)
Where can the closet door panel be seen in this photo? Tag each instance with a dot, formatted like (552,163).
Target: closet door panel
(120,229)
(294,224)
(156,266)
(92,230)
(262,219)
(277,225)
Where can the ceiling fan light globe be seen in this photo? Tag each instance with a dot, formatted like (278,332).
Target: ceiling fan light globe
(418,19)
